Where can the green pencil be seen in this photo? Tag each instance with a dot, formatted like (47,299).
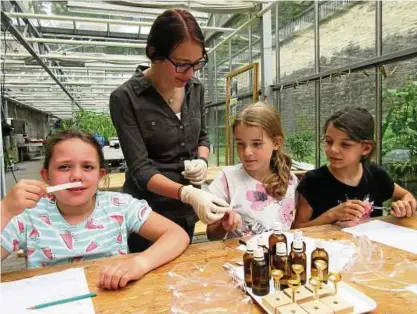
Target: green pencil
(80,297)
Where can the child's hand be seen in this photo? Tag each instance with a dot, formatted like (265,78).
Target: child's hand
(231,220)
(24,194)
(403,208)
(349,210)
(115,276)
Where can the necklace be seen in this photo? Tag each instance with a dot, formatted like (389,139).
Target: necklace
(171,101)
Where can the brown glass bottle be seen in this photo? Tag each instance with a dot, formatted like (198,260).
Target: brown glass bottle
(320,254)
(298,256)
(277,236)
(248,261)
(281,262)
(260,277)
(263,243)
(298,235)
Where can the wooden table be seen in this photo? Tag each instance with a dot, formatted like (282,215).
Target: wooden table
(150,295)
(113,182)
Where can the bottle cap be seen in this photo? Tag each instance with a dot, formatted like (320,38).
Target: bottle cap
(298,245)
(259,253)
(319,244)
(251,246)
(281,248)
(298,235)
(262,240)
(277,227)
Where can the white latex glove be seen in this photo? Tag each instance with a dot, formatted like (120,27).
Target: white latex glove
(195,171)
(208,207)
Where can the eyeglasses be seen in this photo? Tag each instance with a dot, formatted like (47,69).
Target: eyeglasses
(184,67)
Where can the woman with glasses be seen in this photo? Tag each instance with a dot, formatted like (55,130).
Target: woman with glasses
(159,115)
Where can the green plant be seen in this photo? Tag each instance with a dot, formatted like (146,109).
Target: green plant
(91,121)
(399,131)
(301,145)
(12,155)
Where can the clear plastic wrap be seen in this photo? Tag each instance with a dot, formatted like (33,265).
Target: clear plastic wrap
(196,291)
(362,261)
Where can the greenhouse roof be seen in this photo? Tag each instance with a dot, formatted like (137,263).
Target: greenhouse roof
(74,53)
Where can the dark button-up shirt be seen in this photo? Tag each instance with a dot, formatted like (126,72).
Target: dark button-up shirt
(151,136)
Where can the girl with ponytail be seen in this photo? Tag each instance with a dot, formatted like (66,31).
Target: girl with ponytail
(261,189)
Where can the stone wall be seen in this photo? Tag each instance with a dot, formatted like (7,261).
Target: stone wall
(345,38)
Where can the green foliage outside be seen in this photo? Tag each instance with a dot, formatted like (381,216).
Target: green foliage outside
(301,146)
(90,121)
(399,131)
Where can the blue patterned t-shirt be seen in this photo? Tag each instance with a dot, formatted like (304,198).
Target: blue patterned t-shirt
(48,239)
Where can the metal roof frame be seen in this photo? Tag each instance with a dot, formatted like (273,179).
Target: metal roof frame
(65,60)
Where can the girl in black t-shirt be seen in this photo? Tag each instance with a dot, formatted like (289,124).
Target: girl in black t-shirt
(348,188)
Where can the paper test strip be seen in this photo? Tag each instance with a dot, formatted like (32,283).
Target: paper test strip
(64,186)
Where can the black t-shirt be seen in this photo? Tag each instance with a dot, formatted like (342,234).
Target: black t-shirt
(323,191)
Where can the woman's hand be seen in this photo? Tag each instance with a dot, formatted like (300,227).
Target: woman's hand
(115,276)
(208,207)
(349,210)
(195,171)
(231,221)
(24,194)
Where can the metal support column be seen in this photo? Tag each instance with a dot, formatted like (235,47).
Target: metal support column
(6,143)
(277,58)
(216,93)
(73,112)
(266,56)
(2,163)
(378,81)
(217,136)
(230,55)
(250,50)
(317,83)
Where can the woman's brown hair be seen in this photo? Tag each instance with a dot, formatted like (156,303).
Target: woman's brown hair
(169,30)
(267,118)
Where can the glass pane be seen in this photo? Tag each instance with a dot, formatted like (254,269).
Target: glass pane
(399,141)
(91,26)
(297,117)
(399,25)
(57,24)
(296,34)
(144,30)
(347,32)
(124,29)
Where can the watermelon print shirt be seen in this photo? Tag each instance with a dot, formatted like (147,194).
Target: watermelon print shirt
(48,239)
(249,198)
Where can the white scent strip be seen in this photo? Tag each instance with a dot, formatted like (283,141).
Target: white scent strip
(64,186)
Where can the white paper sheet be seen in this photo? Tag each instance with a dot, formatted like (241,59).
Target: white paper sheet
(17,296)
(386,233)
